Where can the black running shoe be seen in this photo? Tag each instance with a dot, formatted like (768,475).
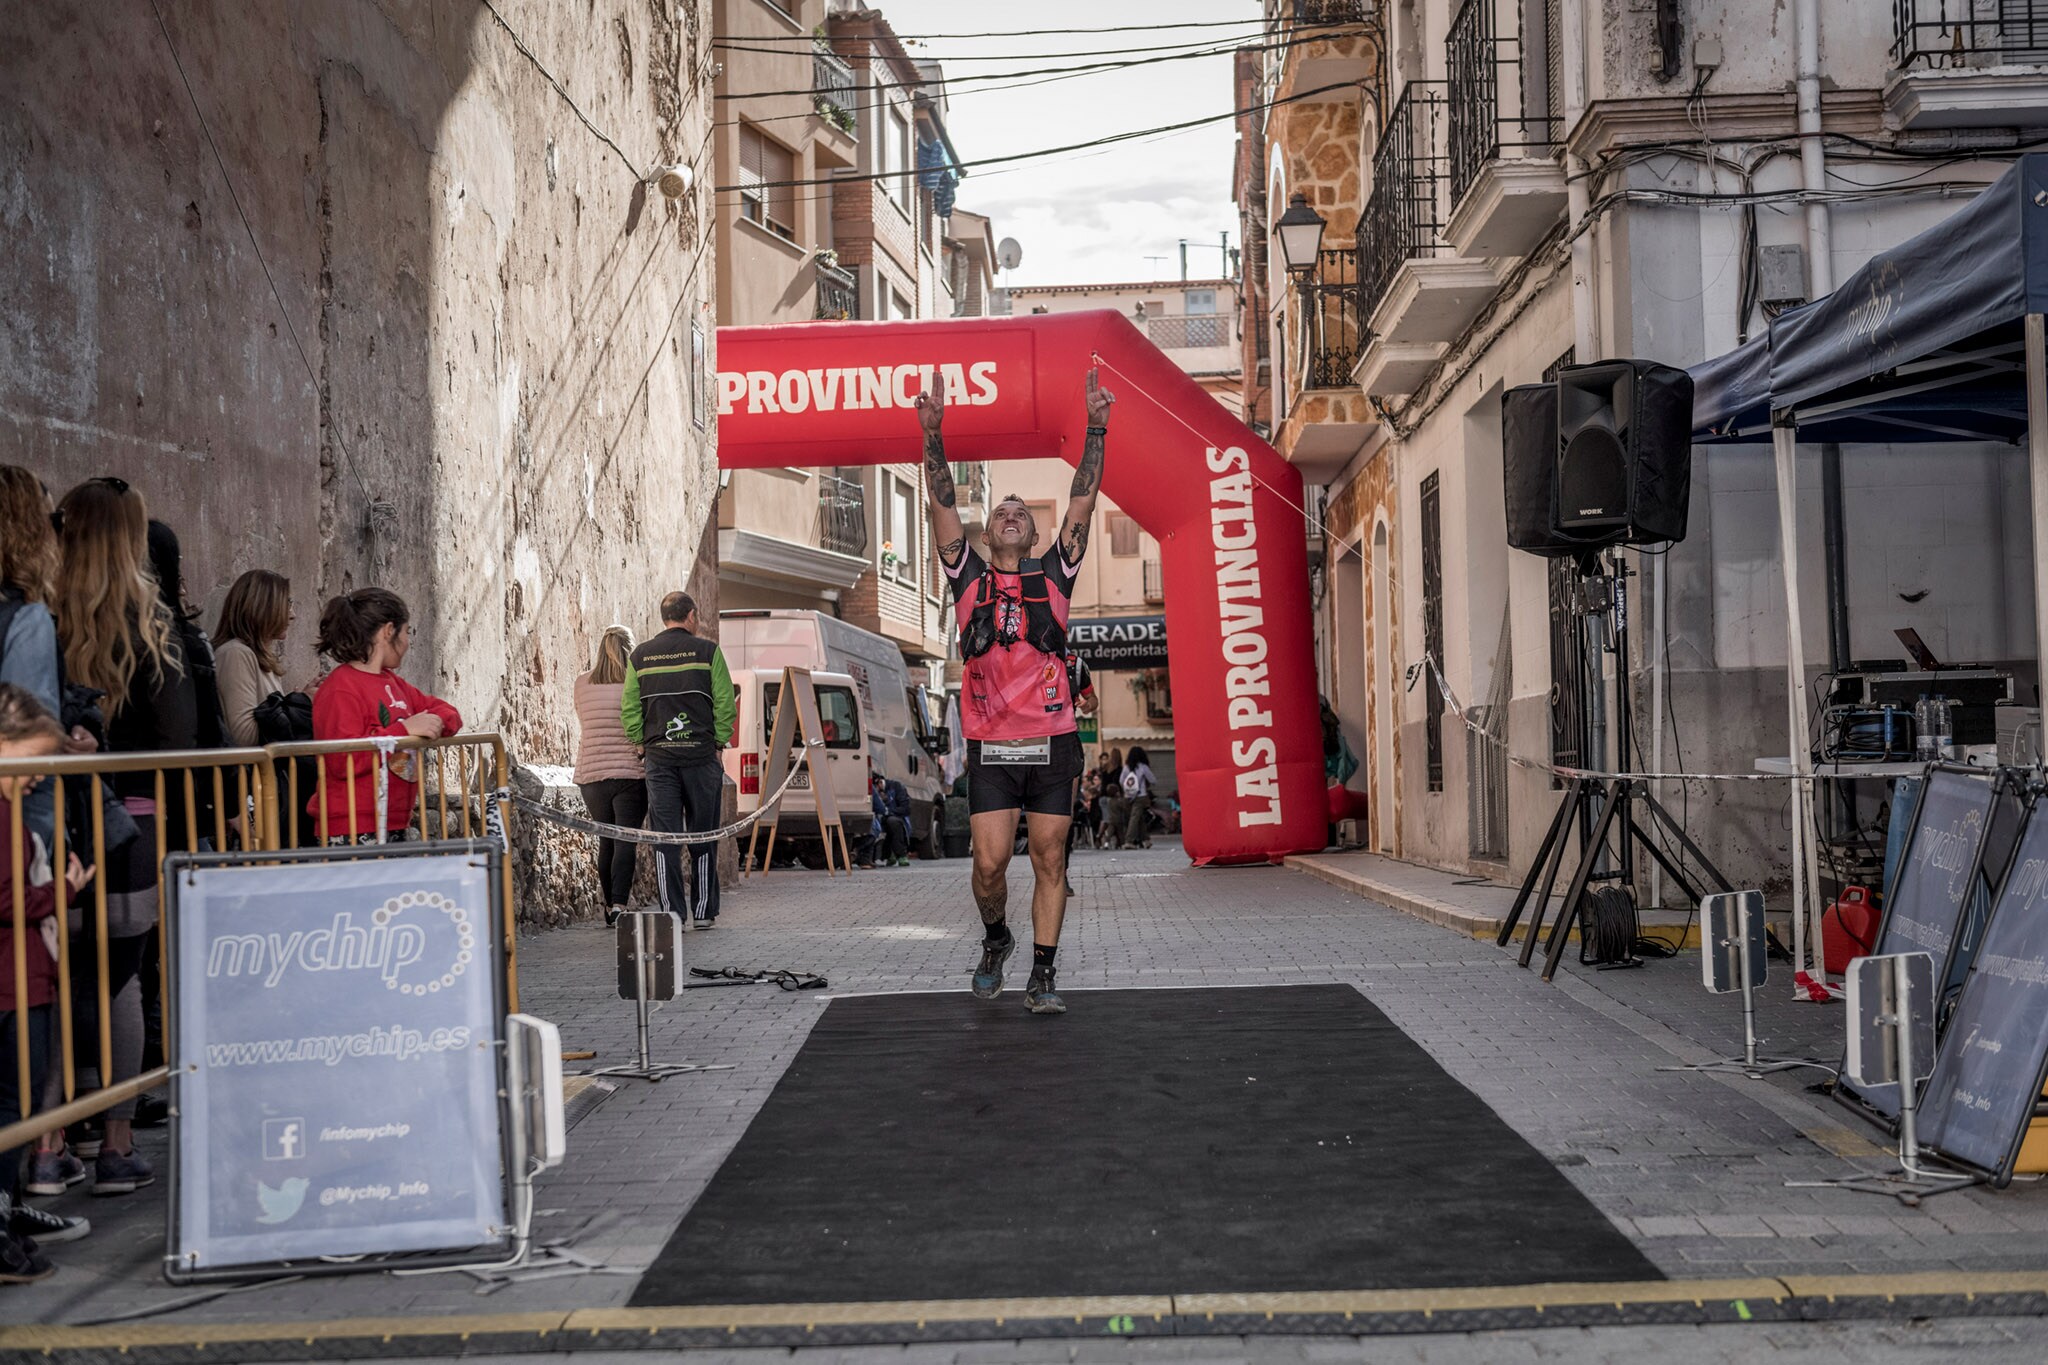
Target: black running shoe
(988,977)
(1039,995)
(25,1220)
(20,1262)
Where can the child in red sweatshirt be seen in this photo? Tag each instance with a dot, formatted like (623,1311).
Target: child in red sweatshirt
(367,632)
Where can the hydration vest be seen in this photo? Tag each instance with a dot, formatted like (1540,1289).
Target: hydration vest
(1042,631)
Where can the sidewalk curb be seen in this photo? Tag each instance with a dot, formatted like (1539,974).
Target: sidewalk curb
(1356,1313)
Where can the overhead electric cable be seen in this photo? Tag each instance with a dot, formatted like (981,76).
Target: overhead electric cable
(1250,21)
(1048,151)
(750,45)
(1085,68)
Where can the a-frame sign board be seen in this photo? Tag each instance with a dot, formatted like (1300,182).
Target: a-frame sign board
(799,725)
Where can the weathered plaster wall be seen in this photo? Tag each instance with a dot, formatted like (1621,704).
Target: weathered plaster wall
(474,381)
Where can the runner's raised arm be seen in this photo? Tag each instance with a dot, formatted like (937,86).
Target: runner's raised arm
(1088,476)
(947,532)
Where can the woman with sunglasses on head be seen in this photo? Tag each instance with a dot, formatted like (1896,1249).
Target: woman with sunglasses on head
(367,633)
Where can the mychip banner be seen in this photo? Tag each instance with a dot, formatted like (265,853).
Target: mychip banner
(336,1047)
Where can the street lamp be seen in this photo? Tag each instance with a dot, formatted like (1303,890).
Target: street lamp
(1300,231)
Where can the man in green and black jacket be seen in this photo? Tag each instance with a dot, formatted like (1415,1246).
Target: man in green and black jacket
(678,706)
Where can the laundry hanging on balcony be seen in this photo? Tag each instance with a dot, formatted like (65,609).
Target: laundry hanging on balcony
(936,172)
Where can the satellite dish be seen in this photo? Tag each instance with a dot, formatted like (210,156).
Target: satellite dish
(1009,255)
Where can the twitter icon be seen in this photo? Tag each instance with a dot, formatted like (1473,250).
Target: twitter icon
(279,1205)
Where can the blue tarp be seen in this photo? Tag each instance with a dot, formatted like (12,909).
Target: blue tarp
(1950,299)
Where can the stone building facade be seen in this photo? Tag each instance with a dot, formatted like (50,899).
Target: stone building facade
(379,293)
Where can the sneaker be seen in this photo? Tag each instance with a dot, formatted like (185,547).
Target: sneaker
(84,1139)
(1039,995)
(44,1226)
(52,1173)
(152,1111)
(121,1173)
(611,916)
(988,977)
(20,1262)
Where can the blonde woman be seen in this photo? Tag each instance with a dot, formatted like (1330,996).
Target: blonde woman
(28,632)
(252,626)
(608,768)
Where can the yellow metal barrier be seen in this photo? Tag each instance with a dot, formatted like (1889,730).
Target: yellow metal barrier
(184,774)
(458,779)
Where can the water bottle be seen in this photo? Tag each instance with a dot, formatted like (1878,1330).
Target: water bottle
(1924,746)
(1944,727)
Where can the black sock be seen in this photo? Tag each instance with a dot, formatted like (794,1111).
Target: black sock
(1041,957)
(999,932)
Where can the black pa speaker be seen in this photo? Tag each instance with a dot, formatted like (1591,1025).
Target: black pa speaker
(1624,453)
(1528,430)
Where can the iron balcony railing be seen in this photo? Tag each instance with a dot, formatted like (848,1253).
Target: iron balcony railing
(1333,321)
(842,515)
(833,90)
(1187,332)
(1404,213)
(1499,105)
(1321,12)
(1969,33)
(838,294)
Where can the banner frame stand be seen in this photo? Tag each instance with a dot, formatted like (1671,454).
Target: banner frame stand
(488,1256)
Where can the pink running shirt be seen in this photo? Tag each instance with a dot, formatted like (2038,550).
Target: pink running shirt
(1013,691)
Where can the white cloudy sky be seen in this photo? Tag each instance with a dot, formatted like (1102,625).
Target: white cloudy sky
(1094,217)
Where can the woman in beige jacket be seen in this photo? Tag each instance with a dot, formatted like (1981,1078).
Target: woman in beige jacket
(608,770)
(253,622)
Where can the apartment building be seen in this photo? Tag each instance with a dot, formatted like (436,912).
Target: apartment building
(1508,186)
(837,140)
(1119,601)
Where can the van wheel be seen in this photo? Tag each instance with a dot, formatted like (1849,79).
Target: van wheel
(811,854)
(934,844)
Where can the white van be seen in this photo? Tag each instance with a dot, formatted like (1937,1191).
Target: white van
(756,692)
(898,720)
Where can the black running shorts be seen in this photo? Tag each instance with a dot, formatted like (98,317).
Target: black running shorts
(1047,789)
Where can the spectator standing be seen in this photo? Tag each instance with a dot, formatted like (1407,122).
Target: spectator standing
(1137,785)
(1115,810)
(895,815)
(121,638)
(367,632)
(27,730)
(608,768)
(678,705)
(248,654)
(29,656)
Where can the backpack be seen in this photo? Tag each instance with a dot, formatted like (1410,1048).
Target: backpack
(1133,784)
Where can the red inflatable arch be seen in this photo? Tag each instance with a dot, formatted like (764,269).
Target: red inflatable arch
(1225,508)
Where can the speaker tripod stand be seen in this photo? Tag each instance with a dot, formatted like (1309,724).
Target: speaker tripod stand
(1605,809)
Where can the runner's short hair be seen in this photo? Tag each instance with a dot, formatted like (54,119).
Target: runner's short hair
(676,608)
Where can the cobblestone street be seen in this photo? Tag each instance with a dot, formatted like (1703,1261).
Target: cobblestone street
(1690,1166)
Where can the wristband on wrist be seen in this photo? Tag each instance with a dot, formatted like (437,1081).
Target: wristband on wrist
(1098,431)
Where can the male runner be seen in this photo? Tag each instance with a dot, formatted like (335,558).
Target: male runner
(1016,704)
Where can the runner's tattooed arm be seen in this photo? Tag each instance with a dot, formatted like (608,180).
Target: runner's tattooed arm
(947,532)
(1088,475)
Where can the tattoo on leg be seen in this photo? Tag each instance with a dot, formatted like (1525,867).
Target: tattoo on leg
(937,471)
(994,905)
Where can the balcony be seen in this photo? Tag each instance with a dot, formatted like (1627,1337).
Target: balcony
(1506,185)
(1327,419)
(842,515)
(1322,13)
(834,91)
(1188,332)
(838,294)
(1416,295)
(970,491)
(1969,63)
(1330,308)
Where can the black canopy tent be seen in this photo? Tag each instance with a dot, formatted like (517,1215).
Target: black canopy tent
(1940,338)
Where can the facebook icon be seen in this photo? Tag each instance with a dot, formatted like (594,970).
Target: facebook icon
(284,1139)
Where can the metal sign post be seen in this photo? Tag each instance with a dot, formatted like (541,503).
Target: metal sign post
(647,972)
(1734,956)
(1891,1042)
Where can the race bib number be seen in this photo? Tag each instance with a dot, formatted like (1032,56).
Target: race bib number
(1017,753)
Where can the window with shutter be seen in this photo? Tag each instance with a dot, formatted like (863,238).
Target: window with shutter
(766,196)
(1123,536)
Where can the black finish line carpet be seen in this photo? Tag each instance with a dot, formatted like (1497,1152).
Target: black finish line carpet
(1148,1142)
